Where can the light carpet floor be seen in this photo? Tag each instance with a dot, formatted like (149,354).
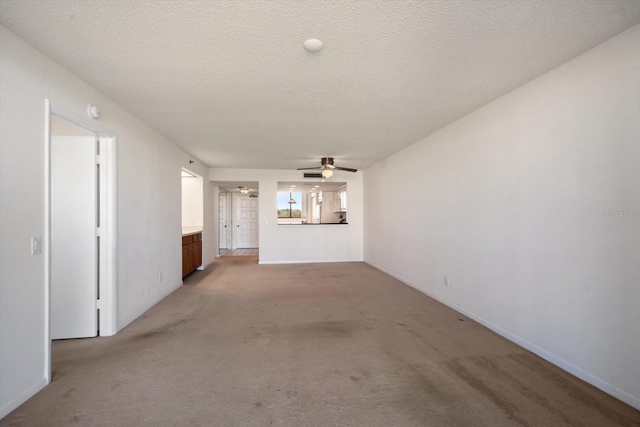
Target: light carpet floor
(242,344)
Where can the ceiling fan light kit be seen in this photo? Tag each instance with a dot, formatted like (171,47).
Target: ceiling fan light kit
(328,167)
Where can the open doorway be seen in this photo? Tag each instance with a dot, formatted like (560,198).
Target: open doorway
(80,228)
(238,224)
(192,221)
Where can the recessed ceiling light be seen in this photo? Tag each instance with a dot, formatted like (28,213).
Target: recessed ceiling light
(313,45)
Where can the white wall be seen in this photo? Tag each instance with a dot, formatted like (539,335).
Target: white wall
(301,243)
(192,201)
(148,210)
(511,203)
(210,219)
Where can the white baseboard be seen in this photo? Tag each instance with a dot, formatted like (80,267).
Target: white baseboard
(313,261)
(25,395)
(608,388)
(204,266)
(134,316)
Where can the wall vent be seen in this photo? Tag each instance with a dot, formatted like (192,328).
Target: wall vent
(312,175)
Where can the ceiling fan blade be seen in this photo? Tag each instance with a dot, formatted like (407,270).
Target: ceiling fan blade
(304,169)
(345,169)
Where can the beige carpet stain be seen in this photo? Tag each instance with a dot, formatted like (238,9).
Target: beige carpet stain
(243,344)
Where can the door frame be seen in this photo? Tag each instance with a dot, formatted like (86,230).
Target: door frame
(234,220)
(107,263)
(225,194)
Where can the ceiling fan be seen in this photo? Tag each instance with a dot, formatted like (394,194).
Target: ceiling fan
(328,167)
(245,190)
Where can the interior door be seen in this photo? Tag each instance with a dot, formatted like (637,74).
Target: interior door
(246,222)
(74,249)
(223,220)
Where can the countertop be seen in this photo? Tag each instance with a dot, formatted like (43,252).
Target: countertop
(316,223)
(189,231)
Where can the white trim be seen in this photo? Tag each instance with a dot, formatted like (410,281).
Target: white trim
(108,285)
(232,221)
(25,395)
(195,175)
(608,388)
(89,124)
(314,261)
(46,245)
(204,266)
(144,309)
(108,288)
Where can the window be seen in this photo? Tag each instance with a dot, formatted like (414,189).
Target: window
(291,205)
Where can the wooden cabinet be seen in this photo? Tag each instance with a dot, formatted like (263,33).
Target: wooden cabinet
(191,253)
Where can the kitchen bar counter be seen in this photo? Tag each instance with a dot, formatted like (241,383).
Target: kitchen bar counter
(315,223)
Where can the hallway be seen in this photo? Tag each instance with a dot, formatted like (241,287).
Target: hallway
(240,252)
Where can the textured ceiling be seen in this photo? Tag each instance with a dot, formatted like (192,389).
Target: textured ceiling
(231,83)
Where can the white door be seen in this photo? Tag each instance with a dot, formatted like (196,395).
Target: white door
(246,222)
(74,257)
(222,215)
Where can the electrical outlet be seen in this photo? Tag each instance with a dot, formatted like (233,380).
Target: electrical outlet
(160,277)
(446,280)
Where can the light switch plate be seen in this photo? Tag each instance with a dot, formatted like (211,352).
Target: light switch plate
(36,245)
